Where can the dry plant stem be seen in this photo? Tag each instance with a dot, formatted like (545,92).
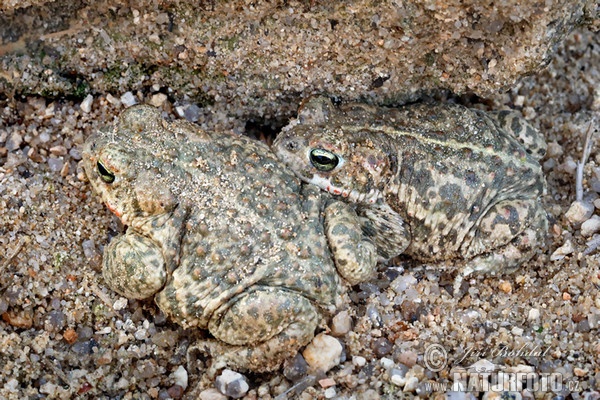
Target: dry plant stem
(586,153)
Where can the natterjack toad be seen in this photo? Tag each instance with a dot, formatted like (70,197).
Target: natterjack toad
(222,234)
(438,182)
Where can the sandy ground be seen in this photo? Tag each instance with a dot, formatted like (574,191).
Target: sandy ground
(63,334)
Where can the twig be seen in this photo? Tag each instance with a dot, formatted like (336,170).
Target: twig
(587,148)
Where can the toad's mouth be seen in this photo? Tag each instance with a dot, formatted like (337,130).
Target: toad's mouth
(353,195)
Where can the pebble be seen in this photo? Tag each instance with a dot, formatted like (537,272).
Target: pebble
(120,304)
(591,226)
(323,353)
(330,393)
(128,99)
(579,211)
(564,250)
(295,368)
(181,377)
(86,104)
(359,361)
(158,99)
(386,363)
(341,324)
(232,384)
(382,347)
(55,164)
(398,376)
(212,394)
(113,100)
(411,384)
(14,141)
(534,314)
(407,358)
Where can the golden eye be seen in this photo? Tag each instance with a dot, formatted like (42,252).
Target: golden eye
(105,174)
(323,160)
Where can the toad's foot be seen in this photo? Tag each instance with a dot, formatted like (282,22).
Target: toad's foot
(507,258)
(260,330)
(354,256)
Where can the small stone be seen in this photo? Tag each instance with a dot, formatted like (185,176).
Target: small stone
(180,376)
(554,150)
(55,164)
(591,226)
(327,382)
(330,393)
(75,153)
(359,361)
(534,314)
(398,376)
(295,368)
(341,324)
(579,211)
(323,353)
(70,335)
(386,363)
(86,104)
(158,99)
(411,384)
(212,394)
(175,392)
(232,384)
(113,100)
(564,250)
(14,141)
(505,286)
(120,304)
(382,347)
(517,331)
(580,372)
(58,150)
(566,296)
(128,99)
(408,358)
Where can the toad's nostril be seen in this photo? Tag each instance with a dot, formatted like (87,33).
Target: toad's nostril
(291,145)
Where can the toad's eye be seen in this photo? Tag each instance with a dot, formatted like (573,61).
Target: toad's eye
(105,174)
(323,160)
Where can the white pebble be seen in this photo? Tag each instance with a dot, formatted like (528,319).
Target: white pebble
(180,376)
(86,104)
(359,361)
(517,331)
(128,99)
(591,226)
(386,363)
(579,211)
(534,314)
(323,353)
(562,251)
(411,384)
(330,393)
(212,394)
(120,304)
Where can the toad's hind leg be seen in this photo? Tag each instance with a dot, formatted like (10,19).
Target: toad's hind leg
(261,329)
(509,234)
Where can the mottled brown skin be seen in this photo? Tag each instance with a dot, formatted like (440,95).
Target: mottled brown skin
(438,182)
(220,233)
